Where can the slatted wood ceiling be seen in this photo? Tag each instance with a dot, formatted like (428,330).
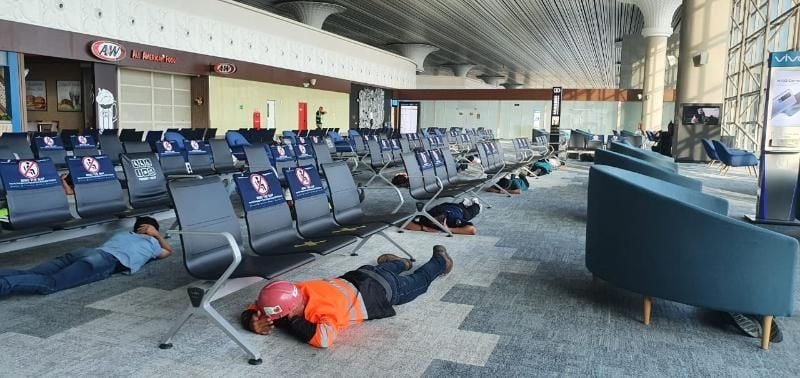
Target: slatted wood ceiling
(536,42)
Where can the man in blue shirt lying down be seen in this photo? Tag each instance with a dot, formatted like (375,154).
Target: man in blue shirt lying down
(124,252)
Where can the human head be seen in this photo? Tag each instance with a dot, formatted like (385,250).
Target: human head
(321,109)
(279,299)
(140,221)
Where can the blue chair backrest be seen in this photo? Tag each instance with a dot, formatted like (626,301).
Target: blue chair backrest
(50,147)
(722,150)
(152,137)
(335,136)
(304,154)
(34,194)
(289,136)
(282,157)
(710,150)
(236,139)
(199,157)
(84,145)
(176,137)
(97,188)
(310,197)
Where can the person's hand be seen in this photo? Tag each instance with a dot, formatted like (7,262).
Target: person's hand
(260,324)
(147,229)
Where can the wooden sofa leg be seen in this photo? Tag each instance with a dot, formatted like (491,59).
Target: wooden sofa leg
(766,331)
(648,304)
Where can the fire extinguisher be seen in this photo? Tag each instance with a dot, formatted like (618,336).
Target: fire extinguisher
(256,119)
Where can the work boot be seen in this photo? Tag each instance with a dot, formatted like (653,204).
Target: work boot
(448,261)
(386,257)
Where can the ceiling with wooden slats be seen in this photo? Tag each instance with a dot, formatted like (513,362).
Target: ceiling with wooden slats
(539,43)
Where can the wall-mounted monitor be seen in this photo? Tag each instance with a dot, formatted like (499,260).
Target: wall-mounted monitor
(701,114)
(409,117)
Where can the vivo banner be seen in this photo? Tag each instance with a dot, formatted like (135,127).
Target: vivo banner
(780,143)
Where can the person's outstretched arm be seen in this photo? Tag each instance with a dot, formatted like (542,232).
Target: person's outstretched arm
(166,249)
(320,335)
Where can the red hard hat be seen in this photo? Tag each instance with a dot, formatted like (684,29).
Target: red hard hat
(278,298)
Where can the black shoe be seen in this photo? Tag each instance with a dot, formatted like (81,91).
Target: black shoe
(775,334)
(386,257)
(746,324)
(448,261)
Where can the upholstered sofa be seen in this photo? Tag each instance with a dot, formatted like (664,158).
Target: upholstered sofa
(646,168)
(689,250)
(649,156)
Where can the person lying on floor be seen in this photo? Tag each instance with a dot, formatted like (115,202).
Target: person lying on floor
(513,185)
(455,216)
(125,251)
(316,311)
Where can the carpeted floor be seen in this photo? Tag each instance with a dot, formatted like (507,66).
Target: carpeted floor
(518,303)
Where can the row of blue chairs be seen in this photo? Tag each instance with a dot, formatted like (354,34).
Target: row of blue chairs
(728,157)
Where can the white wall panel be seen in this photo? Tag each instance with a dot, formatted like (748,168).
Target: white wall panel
(220,28)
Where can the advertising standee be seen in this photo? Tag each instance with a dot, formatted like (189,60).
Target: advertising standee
(555,119)
(779,163)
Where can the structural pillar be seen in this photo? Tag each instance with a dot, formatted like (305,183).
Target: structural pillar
(701,70)
(417,52)
(16,90)
(657,28)
(312,13)
(461,70)
(493,80)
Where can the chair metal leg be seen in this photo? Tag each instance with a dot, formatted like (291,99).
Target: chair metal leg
(437,224)
(166,343)
(219,321)
(361,242)
(423,213)
(383,234)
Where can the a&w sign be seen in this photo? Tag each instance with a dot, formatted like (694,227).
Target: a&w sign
(107,50)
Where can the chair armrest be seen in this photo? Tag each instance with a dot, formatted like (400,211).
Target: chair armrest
(235,251)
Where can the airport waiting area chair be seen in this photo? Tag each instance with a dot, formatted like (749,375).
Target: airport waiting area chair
(314,217)
(270,227)
(628,163)
(714,261)
(735,158)
(711,152)
(211,241)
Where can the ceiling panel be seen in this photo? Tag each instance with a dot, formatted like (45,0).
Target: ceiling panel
(535,42)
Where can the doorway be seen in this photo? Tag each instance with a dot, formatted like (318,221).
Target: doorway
(270,114)
(302,116)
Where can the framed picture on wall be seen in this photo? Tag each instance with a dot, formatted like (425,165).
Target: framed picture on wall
(36,95)
(69,96)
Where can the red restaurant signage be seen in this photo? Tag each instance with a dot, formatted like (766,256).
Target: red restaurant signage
(107,50)
(158,58)
(224,68)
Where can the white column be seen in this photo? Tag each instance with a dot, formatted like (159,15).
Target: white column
(312,13)
(461,70)
(416,52)
(701,70)
(657,28)
(493,80)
